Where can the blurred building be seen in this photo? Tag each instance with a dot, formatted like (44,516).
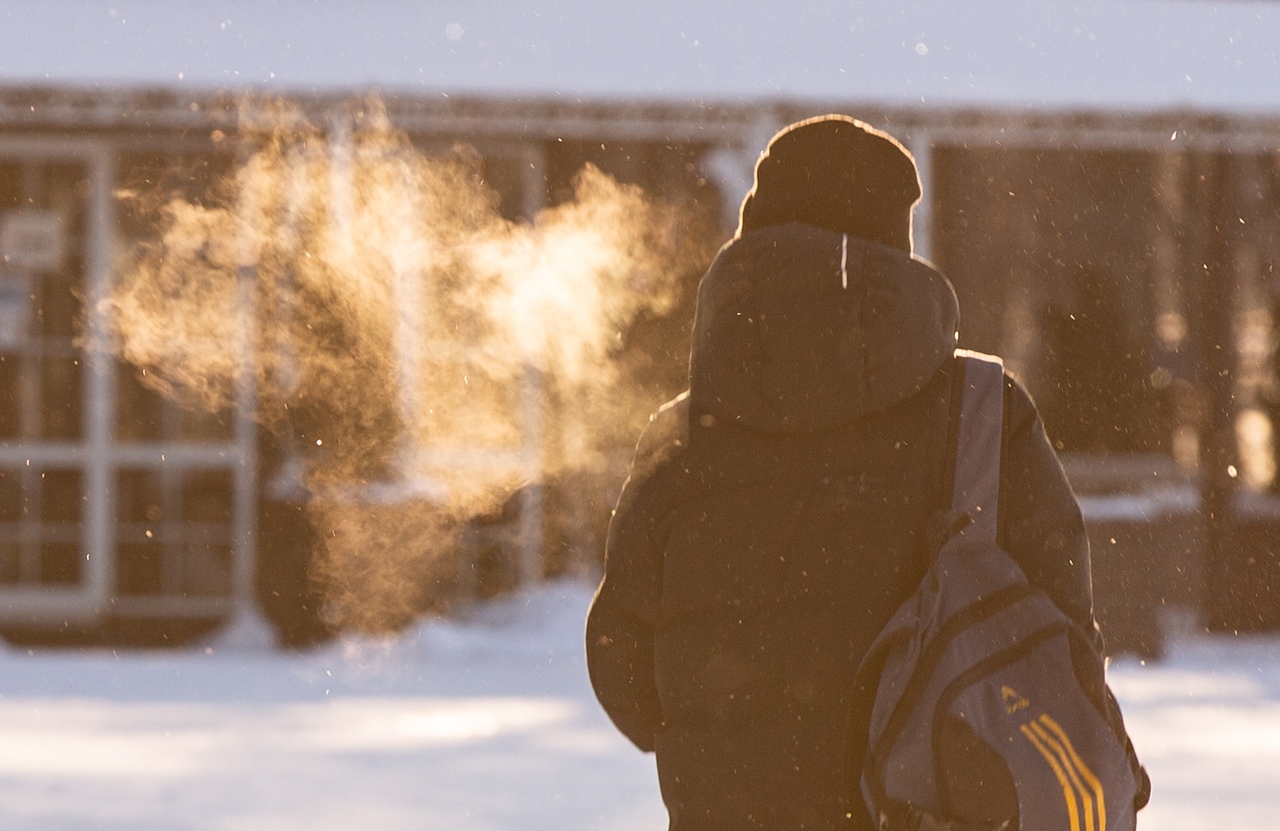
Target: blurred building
(1112,233)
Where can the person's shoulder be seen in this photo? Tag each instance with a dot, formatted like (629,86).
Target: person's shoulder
(665,438)
(1020,408)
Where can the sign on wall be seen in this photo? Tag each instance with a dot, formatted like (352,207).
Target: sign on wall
(32,240)
(15,307)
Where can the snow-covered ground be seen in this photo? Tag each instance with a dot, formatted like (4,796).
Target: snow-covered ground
(488,723)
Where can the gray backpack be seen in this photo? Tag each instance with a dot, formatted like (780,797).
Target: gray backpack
(988,698)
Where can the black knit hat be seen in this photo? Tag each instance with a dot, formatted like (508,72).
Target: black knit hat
(837,173)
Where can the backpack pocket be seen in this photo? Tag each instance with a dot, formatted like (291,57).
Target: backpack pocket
(1025,705)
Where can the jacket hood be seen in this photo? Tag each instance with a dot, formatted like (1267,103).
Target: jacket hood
(799,328)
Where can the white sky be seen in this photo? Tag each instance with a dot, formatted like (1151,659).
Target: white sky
(1139,54)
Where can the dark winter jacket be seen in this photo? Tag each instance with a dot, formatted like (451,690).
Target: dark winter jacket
(777,514)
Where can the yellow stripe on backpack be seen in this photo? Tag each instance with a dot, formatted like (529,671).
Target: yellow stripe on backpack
(1080,765)
(1068,793)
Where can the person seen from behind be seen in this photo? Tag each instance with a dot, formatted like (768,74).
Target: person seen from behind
(779,511)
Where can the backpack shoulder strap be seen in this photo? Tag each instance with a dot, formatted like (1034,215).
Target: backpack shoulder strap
(976,485)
